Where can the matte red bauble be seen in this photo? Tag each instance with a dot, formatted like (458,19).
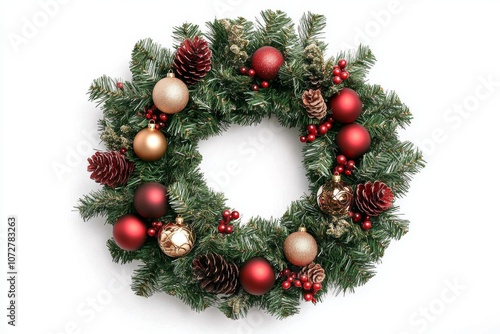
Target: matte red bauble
(129,232)
(266,62)
(257,276)
(353,140)
(150,200)
(346,106)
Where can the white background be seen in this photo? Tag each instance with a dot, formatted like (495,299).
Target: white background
(440,278)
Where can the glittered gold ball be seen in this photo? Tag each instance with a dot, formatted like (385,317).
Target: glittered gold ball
(150,144)
(170,94)
(176,240)
(335,197)
(300,248)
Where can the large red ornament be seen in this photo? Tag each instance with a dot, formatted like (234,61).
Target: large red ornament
(257,276)
(150,200)
(346,106)
(353,140)
(266,62)
(129,232)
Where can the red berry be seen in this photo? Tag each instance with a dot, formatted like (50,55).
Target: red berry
(336,66)
(294,275)
(226,214)
(235,215)
(337,80)
(123,150)
(330,119)
(366,225)
(311,129)
(351,214)
(317,286)
(344,75)
(297,283)
(163,117)
(290,279)
(304,278)
(328,125)
(307,285)
(336,71)
(229,229)
(157,126)
(341,159)
(148,116)
(264,84)
(254,87)
(221,228)
(251,72)
(351,164)
(151,232)
(367,217)
(308,297)
(303,139)
(287,272)
(342,63)
(157,224)
(322,129)
(119,85)
(243,70)
(356,217)
(348,172)
(150,111)
(154,117)
(286,285)
(311,138)
(339,169)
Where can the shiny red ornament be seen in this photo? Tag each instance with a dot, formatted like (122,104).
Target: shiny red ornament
(129,232)
(257,276)
(353,140)
(266,61)
(150,200)
(346,106)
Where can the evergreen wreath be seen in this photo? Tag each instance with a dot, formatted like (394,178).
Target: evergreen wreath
(189,244)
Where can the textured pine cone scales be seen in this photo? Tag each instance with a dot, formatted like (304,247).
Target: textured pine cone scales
(373,199)
(315,273)
(110,168)
(314,103)
(193,60)
(215,274)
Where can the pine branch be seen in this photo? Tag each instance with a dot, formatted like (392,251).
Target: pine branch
(185,31)
(311,28)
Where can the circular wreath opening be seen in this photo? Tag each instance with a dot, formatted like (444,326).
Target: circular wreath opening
(189,243)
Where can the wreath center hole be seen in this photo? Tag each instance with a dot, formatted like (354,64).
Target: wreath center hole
(258,168)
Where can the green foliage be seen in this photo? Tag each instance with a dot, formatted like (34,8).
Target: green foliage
(222,98)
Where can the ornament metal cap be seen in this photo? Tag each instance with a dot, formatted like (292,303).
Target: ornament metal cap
(170,74)
(336,177)
(179,220)
(302,229)
(151,125)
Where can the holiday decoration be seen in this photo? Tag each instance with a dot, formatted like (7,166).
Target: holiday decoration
(266,62)
(257,276)
(150,144)
(353,140)
(170,94)
(150,200)
(346,106)
(373,198)
(300,248)
(176,239)
(129,232)
(110,168)
(233,89)
(335,197)
(216,275)
(192,60)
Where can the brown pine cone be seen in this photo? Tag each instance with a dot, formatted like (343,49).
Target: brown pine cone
(314,272)
(110,168)
(193,60)
(373,199)
(215,274)
(314,103)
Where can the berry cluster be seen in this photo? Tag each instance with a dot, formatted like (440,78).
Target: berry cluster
(313,131)
(339,72)
(251,73)
(357,217)
(156,115)
(309,289)
(155,227)
(224,223)
(344,166)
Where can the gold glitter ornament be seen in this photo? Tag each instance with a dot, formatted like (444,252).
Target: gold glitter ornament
(335,197)
(170,94)
(300,248)
(176,239)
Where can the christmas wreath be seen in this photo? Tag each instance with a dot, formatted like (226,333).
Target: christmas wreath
(189,243)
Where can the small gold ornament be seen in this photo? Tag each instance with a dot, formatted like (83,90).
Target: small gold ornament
(170,94)
(176,239)
(300,248)
(335,197)
(150,144)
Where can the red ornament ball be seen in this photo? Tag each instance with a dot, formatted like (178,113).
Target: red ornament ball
(353,140)
(346,106)
(150,200)
(266,62)
(257,276)
(129,232)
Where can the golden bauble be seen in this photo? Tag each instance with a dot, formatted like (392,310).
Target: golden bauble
(300,248)
(176,239)
(335,197)
(170,94)
(150,144)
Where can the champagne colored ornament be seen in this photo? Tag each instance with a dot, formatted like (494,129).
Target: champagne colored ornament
(170,94)
(335,197)
(176,239)
(150,144)
(300,248)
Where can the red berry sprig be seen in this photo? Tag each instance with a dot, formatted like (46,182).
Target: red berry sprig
(224,224)
(357,217)
(156,115)
(119,84)
(251,73)
(344,166)
(339,72)
(314,131)
(309,289)
(155,227)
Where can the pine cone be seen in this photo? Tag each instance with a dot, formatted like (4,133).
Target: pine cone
(215,274)
(314,272)
(372,199)
(110,168)
(192,60)
(314,103)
